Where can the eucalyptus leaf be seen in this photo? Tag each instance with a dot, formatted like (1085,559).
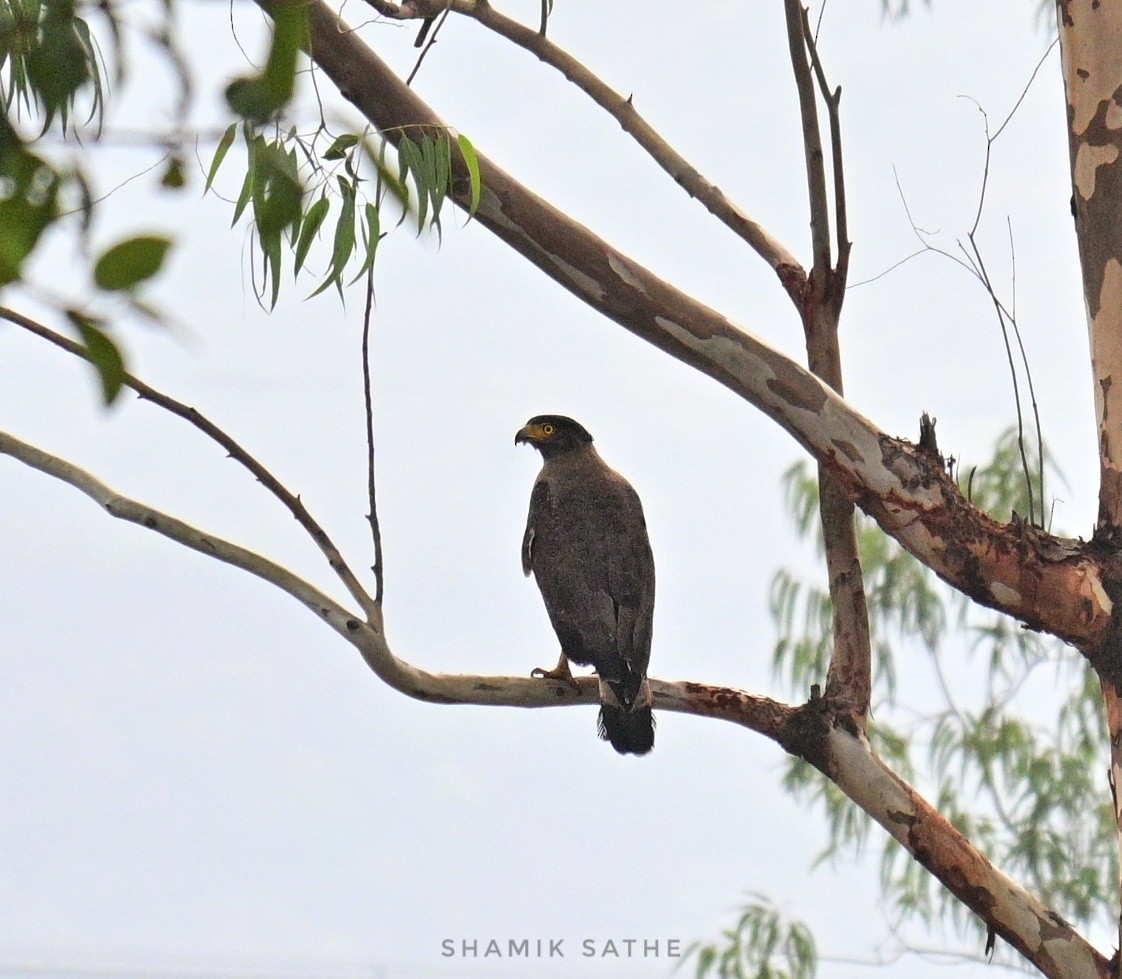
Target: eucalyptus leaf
(102,353)
(129,263)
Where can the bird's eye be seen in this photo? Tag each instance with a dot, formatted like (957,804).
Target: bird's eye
(548,429)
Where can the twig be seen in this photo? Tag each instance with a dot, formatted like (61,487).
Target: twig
(1028,370)
(623,111)
(832,98)
(973,263)
(1028,85)
(236,452)
(433,24)
(849,677)
(983,275)
(812,142)
(760,714)
(375,527)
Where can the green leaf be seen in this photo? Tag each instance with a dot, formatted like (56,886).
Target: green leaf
(131,262)
(371,235)
(278,191)
(259,97)
(57,63)
(412,163)
(174,176)
(338,149)
(29,189)
(344,244)
(252,148)
(312,222)
(102,352)
(471,161)
(271,246)
(220,152)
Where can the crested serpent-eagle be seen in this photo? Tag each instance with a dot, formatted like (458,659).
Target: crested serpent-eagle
(586,544)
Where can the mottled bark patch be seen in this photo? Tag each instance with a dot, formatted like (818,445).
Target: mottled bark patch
(806,731)
(849,450)
(791,384)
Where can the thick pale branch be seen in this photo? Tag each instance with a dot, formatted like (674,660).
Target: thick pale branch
(767,717)
(624,112)
(334,557)
(1051,584)
(810,731)
(1037,932)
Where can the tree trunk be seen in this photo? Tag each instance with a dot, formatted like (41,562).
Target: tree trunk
(1091,49)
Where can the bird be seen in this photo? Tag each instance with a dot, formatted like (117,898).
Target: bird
(587,547)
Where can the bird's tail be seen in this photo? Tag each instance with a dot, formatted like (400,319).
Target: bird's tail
(626,720)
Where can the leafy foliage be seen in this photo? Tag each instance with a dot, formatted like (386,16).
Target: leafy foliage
(259,97)
(761,946)
(47,57)
(29,190)
(294,186)
(351,178)
(1011,751)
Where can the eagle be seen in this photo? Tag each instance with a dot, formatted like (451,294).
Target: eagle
(586,544)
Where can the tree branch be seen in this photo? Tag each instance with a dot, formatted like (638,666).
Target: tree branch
(1034,930)
(849,681)
(334,557)
(760,714)
(833,103)
(371,483)
(812,145)
(1052,584)
(624,112)
(811,731)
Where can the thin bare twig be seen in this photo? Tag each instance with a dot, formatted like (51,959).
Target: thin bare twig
(1028,371)
(207,427)
(623,111)
(433,25)
(1028,85)
(984,277)
(375,526)
(812,142)
(832,98)
(761,714)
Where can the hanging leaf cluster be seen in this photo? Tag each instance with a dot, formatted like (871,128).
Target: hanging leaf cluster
(1011,740)
(340,190)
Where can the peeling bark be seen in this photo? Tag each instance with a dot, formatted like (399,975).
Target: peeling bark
(816,731)
(1069,588)
(1089,45)
(1091,49)
(1051,584)
(1038,933)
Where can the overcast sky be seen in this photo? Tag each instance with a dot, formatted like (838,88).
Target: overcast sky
(196,775)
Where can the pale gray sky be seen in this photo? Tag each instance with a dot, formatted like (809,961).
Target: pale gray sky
(195,774)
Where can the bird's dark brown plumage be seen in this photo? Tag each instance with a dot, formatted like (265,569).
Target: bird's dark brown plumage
(586,545)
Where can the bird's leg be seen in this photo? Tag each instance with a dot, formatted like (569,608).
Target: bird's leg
(560,672)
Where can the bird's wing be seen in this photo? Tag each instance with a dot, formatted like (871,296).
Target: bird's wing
(539,503)
(630,576)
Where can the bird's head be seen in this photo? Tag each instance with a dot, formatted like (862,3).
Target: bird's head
(552,435)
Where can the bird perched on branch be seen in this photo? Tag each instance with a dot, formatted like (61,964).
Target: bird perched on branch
(586,544)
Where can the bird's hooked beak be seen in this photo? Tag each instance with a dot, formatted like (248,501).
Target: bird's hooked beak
(529,433)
